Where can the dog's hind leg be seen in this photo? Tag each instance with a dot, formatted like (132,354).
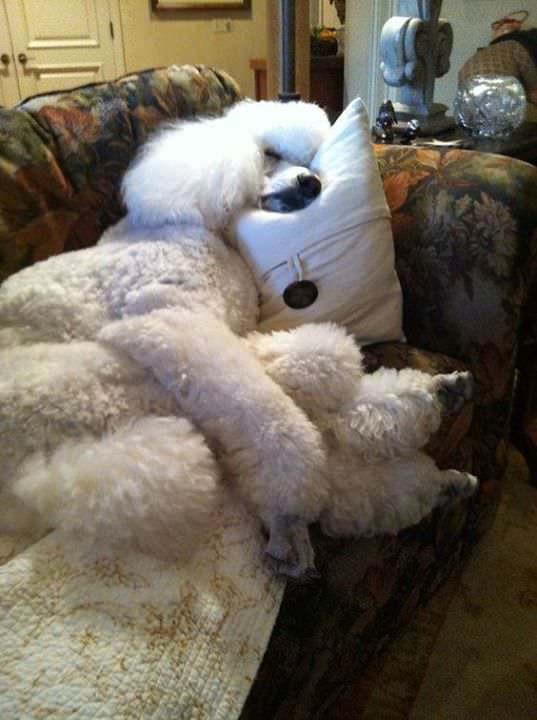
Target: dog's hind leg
(453,390)
(455,486)
(153,484)
(266,443)
(91,443)
(319,365)
(394,413)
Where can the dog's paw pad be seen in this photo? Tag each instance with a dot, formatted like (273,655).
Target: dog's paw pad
(289,549)
(454,390)
(295,572)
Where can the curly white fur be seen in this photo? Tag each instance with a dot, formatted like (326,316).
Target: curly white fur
(130,373)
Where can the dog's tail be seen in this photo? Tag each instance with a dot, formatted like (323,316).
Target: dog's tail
(153,485)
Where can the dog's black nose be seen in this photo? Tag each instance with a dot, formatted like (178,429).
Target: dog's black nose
(309,184)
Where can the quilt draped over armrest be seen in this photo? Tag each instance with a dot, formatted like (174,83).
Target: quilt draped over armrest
(135,637)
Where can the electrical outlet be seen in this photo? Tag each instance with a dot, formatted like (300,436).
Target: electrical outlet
(222,25)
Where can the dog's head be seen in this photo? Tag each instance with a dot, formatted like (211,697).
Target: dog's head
(207,171)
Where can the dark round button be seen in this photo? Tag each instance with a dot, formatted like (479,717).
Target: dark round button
(300,294)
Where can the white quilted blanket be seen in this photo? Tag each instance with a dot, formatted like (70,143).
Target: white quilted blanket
(134,637)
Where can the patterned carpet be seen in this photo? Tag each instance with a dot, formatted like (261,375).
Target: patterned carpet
(472,652)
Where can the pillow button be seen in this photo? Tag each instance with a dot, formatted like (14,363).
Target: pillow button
(300,294)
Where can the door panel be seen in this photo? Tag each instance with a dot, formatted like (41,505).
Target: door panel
(56,23)
(60,44)
(55,76)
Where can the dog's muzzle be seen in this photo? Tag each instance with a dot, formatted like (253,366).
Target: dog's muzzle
(297,194)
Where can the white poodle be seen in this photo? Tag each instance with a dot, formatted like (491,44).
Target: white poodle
(131,373)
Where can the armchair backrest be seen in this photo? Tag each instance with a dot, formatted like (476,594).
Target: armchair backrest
(465,223)
(62,156)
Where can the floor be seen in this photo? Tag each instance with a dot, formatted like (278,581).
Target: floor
(472,652)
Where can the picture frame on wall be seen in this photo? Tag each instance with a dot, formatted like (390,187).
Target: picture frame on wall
(201,4)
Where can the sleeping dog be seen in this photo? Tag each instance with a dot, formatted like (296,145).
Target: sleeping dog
(133,376)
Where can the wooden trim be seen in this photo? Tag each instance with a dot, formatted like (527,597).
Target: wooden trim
(201,5)
(259,66)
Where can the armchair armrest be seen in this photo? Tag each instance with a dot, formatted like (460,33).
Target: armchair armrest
(465,231)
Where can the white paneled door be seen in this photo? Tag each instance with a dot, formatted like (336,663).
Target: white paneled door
(59,44)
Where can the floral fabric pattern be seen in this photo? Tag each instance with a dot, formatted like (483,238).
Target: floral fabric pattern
(465,227)
(62,156)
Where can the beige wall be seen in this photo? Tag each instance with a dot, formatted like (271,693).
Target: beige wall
(328,15)
(471,21)
(323,13)
(163,38)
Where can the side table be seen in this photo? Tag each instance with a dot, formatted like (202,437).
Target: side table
(520,144)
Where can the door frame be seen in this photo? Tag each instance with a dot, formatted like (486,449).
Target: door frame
(363,78)
(118,45)
(9,79)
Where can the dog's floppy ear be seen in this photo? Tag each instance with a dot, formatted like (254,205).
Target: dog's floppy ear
(197,172)
(294,131)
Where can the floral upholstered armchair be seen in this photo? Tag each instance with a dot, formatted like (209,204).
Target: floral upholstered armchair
(465,230)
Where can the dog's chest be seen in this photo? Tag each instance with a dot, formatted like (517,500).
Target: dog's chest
(193,270)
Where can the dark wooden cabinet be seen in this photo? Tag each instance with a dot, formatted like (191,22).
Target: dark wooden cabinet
(326,81)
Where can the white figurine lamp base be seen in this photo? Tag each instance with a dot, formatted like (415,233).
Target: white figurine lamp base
(415,47)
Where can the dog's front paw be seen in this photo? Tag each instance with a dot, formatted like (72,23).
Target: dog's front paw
(290,551)
(454,390)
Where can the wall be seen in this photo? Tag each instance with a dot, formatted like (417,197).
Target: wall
(471,20)
(363,25)
(186,37)
(328,14)
(166,37)
(323,13)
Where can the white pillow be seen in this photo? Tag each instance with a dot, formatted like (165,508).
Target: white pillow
(342,243)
